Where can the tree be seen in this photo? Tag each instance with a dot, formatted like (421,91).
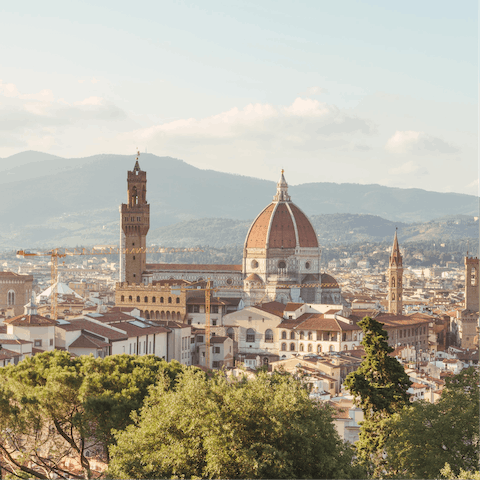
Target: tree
(379,387)
(425,436)
(217,428)
(55,408)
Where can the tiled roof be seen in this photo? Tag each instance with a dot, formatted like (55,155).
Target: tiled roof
(31,320)
(253,277)
(217,339)
(399,320)
(328,281)
(189,267)
(8,354)
(170,323)
(87,341)
(87,325)
(276,308)
(292,307)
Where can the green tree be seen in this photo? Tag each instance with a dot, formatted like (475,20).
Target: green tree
(54,407)
(379,387)
(263,428)
(425,436)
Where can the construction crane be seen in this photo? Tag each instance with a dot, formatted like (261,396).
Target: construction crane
(57,253)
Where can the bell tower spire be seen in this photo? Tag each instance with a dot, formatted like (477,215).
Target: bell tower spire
(135,223)
(395,284)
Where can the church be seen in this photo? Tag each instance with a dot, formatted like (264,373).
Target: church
(281,255)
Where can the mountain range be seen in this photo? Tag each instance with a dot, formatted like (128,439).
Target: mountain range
(53,201)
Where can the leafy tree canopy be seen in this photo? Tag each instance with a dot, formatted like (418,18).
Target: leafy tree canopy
(263,428)
(425,436)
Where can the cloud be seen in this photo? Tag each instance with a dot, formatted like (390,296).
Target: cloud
(408,168)
(419,143)
(30,111)
(306,123)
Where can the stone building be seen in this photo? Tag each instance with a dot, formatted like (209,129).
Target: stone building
(281,260)
(15,292)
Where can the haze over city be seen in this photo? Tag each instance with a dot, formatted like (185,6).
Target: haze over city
(360,92)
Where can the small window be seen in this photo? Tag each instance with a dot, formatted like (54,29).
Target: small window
(214,322)
(199,338)
(250,335)
(169,299)
(122,298)
(51,342)
(215,364)
(216,350)
(269,336)
(284,335)
(37,343)
(292,335)
(154,299)
(301,347)
(138,298)
(161,299)
(310,336)
(284,347)
(214,308)
(130,298)
(196,308)
(177,300)
(134,257)
(292,347)
(302,335)
(319,349)
(146,300)
(307,265)
(310,348)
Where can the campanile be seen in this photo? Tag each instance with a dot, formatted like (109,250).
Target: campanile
(395,274)
(134,226)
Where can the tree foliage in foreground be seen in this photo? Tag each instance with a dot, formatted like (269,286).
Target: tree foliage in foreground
(379,387)
(425,436)
(266,427)
(54,407)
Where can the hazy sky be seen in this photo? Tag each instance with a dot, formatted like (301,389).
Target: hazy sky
(340,91)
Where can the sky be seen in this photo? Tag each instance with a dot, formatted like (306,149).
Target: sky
(349,92)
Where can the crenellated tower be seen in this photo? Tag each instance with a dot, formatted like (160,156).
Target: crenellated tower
(471,284)
(395,284)
(134,226)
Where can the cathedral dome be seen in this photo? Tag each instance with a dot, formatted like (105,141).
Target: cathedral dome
(281,224)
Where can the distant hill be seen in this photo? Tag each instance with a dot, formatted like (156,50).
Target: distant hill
(48,200)
(335,228)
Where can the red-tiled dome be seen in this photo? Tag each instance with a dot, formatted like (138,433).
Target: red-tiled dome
(328,281)
(281,224)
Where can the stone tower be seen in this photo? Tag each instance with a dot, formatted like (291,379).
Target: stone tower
(134,226)
(471,284)
(395,274)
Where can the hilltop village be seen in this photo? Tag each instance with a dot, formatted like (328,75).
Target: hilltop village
(280,309)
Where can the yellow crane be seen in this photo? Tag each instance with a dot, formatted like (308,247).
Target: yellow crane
(57,253)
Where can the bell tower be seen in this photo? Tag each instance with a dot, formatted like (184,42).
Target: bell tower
(134,226)
(471,284)
(395,274)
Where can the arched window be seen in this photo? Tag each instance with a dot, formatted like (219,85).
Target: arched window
(130,298)
(146,299)
(319,349)
(309,347)
(310,336)
(147,315)
(393,281)
(332,348)
(284,335)
(301,347)
(292,335)
(168,315)
(231,333)
(250,335)
(282,264)
(154,299)
(161,299)
(157,315)
(122,298)
(269,336)
(292,347)
(393,295)
(11,297)
(284,347)
(302,335)
(138,298)
(162,315)
(345,347)
(473,276)
(177,300)
(179,316)
(169,299)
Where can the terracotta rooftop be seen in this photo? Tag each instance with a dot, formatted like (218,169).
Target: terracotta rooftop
(292,307)
(89,326)
(31,321)
(87,341)
(253,277)
(275,308)
(188,267)
(8,354)
(217,339)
